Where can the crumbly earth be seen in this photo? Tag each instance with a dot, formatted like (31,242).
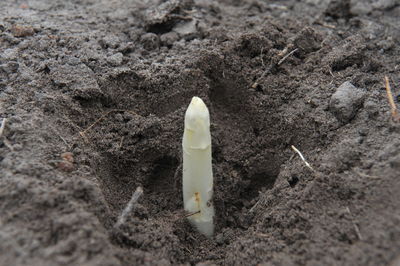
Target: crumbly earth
(93,95)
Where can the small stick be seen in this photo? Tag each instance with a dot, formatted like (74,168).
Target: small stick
(188,250)
(262,76)
(191,214)
(135,196)
(330,72)
(192,237)
(286,56)
(3,124)
(302,157)
(255,84)
(120,143)
(355,226)
(255,205)
(325,25)
(181,17)
(261,55)
(365,175)
(393,108)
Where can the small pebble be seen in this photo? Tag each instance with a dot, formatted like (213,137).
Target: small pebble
(346,101)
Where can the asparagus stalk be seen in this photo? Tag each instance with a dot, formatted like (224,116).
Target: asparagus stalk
(197,170)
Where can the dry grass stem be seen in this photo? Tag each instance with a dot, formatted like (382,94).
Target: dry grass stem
(355,225)
(3,124)
(255,205)
(393,108)
(255,84)
(286,56)
(365,175)
(120,142)
(190,214)
(135,197)
(302,158)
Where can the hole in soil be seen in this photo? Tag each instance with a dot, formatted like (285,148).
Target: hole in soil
(247,161)
(293,181)
(258,182)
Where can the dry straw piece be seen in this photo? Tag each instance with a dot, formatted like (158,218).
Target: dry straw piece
(393,108)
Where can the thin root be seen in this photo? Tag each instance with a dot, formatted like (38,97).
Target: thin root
(302,158)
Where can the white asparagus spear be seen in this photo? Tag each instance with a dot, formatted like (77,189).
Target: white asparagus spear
(197,170)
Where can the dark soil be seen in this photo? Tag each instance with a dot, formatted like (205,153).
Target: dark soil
(93,95)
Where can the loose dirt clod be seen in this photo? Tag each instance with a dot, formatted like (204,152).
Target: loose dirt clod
(346,101)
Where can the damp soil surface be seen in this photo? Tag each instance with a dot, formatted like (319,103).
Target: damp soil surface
(92,100)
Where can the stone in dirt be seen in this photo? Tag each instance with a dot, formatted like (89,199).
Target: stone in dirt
(346,101)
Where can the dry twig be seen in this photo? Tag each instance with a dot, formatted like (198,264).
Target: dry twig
(3,124)
(191,214)
(302,158)
(355,225)
(121,141)
(255,205)
(255,84)
(5,140)
(365,175)
(286,56)
(135,197)
(393,108)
